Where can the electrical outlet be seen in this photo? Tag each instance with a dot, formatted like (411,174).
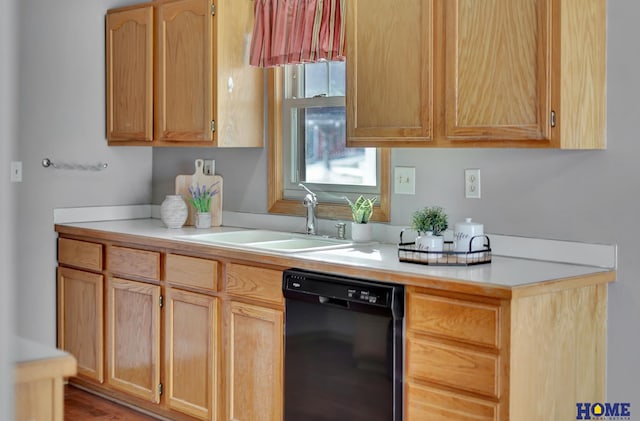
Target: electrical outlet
(472,183)
(209,167)
(404,180)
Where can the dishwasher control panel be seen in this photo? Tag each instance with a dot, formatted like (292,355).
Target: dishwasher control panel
(363,295)
(340,288)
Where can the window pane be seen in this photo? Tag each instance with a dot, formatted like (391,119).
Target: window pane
(337,77)
(315,79)
(327,159)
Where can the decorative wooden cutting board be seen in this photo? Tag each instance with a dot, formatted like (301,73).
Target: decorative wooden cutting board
(183,182)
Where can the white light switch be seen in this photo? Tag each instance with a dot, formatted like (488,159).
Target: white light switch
(16,171)
(404,180)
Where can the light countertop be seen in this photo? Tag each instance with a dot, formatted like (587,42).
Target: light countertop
(375,260)
(26,350)
(34,361)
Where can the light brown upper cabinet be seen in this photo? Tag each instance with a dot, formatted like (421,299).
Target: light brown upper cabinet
(130,74)
(463,73)
(195,76)
(389,72)
(184,101)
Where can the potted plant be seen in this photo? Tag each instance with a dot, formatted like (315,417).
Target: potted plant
(361,211)
(429,223)
(201,200)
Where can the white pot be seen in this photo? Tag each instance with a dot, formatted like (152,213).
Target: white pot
(174,211)
(203,219)
(431,243)
(361,232)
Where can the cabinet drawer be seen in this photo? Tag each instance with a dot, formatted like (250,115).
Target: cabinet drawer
(452,366)
(134,262)
(467,321)
(426,403)
(81,254)
(191,271)
(254,282)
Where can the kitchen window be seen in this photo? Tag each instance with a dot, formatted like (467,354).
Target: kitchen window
(308,144)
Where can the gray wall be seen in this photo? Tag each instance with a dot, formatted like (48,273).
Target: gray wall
(244,170)
(61,115)
(585,196)
(589,196)
(7,192)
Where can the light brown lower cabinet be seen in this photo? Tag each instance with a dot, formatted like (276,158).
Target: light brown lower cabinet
(191,367)
(81,320)
(434,404)
(39,376)
(133,338)
(255,363)
(530,357)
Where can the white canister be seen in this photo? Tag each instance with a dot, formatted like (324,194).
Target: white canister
(174,211)
(463,234)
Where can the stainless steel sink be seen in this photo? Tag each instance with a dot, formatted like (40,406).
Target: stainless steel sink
(269,240)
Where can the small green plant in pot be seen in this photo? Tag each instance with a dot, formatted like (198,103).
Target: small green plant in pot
(430,222)
(361,211)
(430,219)
(201,200)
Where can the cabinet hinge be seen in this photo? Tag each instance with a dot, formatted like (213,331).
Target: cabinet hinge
(160,389)
(161,301)
(553,119)
(213,10)
(213,125)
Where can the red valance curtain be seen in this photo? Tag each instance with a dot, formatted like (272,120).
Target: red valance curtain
(297,31)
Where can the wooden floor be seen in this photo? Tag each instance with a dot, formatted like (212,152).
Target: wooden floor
(83,406)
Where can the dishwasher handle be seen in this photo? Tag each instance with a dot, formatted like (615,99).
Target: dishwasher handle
(335,302)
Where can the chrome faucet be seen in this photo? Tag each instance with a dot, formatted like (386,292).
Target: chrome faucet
(310,202)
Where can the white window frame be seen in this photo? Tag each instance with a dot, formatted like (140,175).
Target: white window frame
(293,83)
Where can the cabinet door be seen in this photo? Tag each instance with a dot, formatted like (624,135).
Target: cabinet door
(185,71)
(255,359)
(240,87)
(192,353)
(129,59)
(389,71)
(496,71)
(80,320)
(133,338)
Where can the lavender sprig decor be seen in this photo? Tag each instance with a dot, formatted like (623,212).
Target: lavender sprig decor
(201,196)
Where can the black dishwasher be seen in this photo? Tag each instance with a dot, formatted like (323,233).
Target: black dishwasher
(343,348)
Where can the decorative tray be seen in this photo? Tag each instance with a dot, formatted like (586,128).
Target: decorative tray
(410,253)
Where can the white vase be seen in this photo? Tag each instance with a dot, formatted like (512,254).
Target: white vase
(174,211)
(203,220)
(361,232)
(431,243)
